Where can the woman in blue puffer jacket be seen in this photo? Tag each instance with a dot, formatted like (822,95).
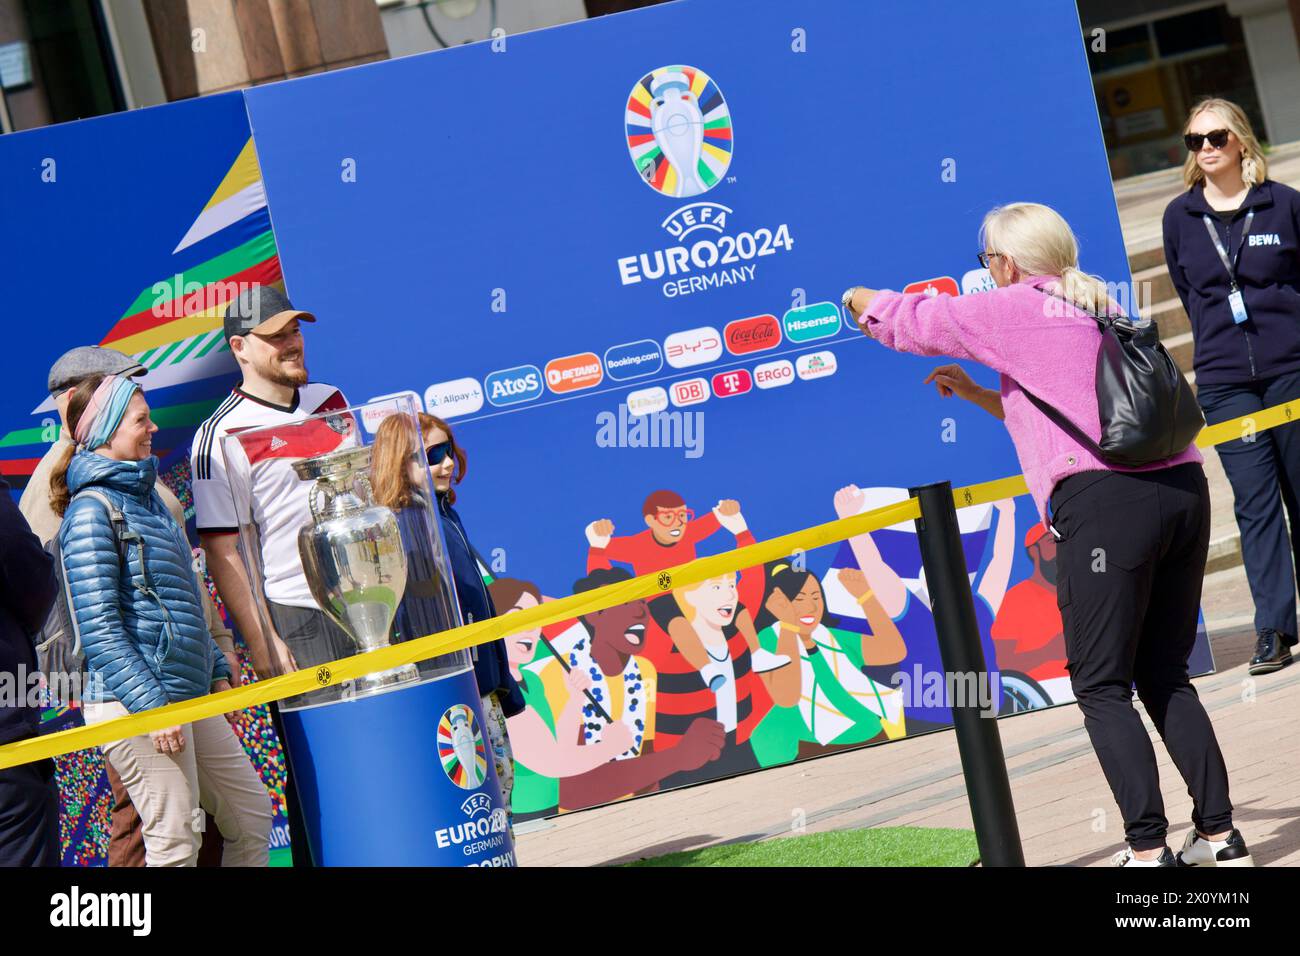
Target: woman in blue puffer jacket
(133,595)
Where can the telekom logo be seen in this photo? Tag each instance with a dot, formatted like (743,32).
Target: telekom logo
(733,382)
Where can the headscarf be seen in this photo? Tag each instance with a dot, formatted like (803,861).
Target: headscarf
(104,411)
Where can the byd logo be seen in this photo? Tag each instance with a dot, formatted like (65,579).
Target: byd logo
(693,347)
(758,334)
(512,386)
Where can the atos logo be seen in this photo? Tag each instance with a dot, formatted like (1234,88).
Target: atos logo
(734,382)
(512,386)
(693,347)
(758,334)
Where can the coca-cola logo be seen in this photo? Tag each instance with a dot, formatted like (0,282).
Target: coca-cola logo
(757,334)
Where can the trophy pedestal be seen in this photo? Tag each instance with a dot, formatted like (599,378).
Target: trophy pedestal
(384,680)
(402,778)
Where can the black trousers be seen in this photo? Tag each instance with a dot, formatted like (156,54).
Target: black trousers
(1131,554)
(1265,477)
(29,815)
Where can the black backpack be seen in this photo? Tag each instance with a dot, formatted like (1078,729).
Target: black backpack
(1147,409)
(59,653)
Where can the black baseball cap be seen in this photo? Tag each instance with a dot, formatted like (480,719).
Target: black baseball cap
(262,309)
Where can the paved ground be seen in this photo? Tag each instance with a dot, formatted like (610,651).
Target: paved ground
(1065,811)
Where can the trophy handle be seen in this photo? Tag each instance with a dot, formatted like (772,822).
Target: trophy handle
(364,481)
(318,510)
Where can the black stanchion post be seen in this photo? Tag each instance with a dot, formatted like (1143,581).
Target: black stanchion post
(978,742)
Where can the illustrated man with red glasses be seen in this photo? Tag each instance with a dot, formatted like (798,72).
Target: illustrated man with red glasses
(672,531)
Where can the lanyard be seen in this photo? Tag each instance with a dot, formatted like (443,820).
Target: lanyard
(1230,265)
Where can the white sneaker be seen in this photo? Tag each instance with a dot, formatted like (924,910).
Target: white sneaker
(763,661)
(1198,851)
(1125,857)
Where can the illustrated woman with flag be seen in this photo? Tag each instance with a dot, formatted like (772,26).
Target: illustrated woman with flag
(838,705)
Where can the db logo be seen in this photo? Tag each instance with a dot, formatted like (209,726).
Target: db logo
(758,334)
(690,392)
(735,382)
(574,372)
(932,287)
(773,374)
(693,347)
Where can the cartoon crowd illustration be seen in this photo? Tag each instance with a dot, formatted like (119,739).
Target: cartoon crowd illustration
(774,664)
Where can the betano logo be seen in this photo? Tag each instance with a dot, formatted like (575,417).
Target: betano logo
(679,131)
(574,372)
(511,386)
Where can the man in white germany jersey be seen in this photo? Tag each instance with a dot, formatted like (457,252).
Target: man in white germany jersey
(263,330)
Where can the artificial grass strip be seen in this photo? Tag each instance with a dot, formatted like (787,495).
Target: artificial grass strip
(877,846)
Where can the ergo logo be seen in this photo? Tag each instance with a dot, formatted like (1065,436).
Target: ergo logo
(773,374)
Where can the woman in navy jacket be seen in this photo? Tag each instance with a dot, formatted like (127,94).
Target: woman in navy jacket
(1232,244)
(498,689)
(134,598)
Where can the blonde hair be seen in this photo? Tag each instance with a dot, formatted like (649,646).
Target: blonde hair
(1041,243)
(1254,167)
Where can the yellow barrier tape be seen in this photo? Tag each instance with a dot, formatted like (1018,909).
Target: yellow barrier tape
(549,612)
(468,635)
(1238,427)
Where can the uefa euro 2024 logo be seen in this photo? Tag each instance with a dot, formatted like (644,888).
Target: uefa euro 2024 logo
(460,747)
(679,131)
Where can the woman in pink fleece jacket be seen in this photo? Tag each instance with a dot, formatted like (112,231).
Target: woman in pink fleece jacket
(1131,543)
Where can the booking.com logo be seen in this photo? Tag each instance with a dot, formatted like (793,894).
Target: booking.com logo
(679,131)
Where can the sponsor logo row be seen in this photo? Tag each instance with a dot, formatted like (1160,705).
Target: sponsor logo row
(730,383)
(631,360)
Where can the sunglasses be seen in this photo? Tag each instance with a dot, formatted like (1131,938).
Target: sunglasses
(1218,139)
(436,453)
(669,518)
(984,257)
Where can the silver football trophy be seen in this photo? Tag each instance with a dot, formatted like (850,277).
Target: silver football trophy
(353,557)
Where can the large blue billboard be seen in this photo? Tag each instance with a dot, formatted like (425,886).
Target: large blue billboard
(611,256)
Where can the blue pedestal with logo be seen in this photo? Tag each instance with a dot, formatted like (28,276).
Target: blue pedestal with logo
(402,778)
